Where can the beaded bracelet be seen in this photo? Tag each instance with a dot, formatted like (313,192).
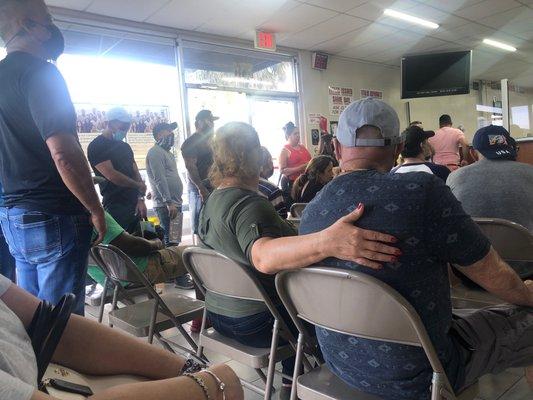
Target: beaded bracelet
(200,383)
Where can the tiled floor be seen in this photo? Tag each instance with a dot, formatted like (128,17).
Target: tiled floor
(508,385)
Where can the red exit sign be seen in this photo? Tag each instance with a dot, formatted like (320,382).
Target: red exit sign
(265,41)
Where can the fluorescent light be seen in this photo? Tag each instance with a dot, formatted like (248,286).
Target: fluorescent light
(409,18)
(499,45)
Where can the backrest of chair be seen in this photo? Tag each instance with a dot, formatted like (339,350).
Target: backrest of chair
(297,209)
(115,264)
(512,241)
(354,304)
(219,274)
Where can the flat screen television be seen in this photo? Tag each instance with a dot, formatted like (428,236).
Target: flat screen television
(440,74)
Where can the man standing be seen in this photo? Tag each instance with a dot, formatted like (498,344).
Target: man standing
(47,183)
(167,189)
(496,186)
(113,159)
(165,181)
(433,230)
(449,144)
(198,157)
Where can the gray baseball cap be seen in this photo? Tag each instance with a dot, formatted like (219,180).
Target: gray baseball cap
(373,112)
(118,114)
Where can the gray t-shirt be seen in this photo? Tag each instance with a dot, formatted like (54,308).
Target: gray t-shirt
(18,366)
(164,178)
(496,189)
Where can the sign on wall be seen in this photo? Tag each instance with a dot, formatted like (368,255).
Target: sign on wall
(378,94)
(339,99)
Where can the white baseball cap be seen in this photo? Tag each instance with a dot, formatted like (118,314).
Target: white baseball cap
(373,112)
(118,114)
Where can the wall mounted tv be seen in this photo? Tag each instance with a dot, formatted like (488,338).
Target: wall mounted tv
(438,74)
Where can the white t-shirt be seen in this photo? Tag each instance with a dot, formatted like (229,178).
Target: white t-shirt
(18,366)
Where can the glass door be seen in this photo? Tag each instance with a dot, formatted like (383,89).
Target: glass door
(268,116)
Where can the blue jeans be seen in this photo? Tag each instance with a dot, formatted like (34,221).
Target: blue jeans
(255,331)
(51,252)
(7,262)
(195,205)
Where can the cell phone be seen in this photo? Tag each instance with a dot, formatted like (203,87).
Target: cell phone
(70,387)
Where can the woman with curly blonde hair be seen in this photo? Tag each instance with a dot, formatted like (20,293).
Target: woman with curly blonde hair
(240,223)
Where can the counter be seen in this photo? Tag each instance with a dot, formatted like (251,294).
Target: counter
(525,150)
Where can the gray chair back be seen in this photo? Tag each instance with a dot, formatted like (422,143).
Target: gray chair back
(297,210)
(119,267)
(216,273)
(512,241)
(116,265)
(354,304)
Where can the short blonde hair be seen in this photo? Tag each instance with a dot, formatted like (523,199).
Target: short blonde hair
(236,153)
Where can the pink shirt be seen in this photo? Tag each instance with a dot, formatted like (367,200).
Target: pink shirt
(446,143)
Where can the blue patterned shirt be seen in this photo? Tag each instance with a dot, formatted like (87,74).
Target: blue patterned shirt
(433,230)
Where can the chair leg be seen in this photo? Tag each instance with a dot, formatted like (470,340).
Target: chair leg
(299,355)
(102,301)
(272,361)
(200,350)
(153,318)
(115,300)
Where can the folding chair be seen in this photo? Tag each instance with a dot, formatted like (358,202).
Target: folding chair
(216,273)
(359,305)
(146,318)
(297,210)
(514,243)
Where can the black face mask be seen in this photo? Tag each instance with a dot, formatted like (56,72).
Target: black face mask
(55,46)
(166,142)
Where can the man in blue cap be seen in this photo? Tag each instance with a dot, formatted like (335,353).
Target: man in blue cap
(113,159)
(433,230)
(496,186)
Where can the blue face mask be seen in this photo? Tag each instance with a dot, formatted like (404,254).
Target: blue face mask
(120,135)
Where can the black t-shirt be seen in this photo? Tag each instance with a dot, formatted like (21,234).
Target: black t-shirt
(34,105)
(199,146)
(121,156)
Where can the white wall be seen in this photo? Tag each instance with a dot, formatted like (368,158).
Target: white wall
(359,75)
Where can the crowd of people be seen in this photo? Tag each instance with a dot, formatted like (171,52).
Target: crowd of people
(401,222)
(91,121)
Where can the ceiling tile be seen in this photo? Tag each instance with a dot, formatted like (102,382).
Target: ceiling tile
(334,27)
(450,5)
(356,38)
(135,10)
(486,9)
(186,14)
(297,18)
(336,5)
(456,34)
(242,17)
(71,4)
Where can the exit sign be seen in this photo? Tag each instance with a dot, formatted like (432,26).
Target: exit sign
(265,41)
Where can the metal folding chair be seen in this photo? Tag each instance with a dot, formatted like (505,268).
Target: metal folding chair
(146,318)
(216,273)
(513,242)
(359,305)
(297,210)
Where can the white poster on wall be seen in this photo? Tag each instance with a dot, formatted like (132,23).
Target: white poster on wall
(339,99)
(314,118)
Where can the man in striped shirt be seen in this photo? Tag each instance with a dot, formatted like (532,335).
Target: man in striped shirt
(267,188)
